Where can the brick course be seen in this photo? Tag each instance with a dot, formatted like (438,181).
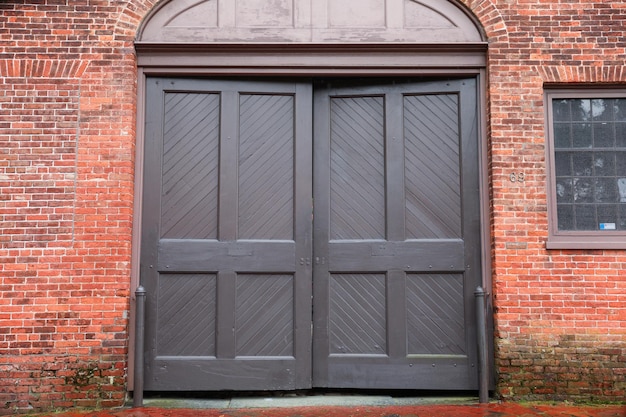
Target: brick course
(67,134)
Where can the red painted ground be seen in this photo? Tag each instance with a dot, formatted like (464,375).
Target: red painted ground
(490,410)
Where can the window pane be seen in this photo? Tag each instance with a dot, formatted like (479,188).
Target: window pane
(605,190)
(581,134)
(561,110)
(603,135)
(622,217)
(581,110)
(562,135)
(565,215)
(607,217)
(620,166)
(601,109)
(619,109)
(582,190)
(582,164)
(621,189)
(564,190)
(604,164)
(585,217)
(563,164)
(620,135)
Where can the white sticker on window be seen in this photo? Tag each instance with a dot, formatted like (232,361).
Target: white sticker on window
(607,226)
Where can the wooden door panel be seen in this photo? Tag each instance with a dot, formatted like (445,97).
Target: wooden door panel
(357,323)
(357,168)
(226,235)
(432,168)
(266,167)
(394,165)
(190,163)
(435,314)
(264,315)
(186,315)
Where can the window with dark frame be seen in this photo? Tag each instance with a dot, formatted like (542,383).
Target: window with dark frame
(587,139)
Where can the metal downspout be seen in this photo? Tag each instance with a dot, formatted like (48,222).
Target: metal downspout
(483,361)
(140,306)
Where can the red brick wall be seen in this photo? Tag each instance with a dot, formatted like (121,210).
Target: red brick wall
(67,134)
(67,125)
(560,314)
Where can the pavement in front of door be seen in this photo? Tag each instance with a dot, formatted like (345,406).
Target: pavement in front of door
(347,406)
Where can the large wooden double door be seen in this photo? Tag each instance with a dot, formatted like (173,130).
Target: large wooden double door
(300,234)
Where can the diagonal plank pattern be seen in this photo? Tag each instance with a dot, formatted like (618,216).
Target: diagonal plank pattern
(357,320)
(186,315)
(264,315)
(266,167)
(357,168)
(432,166)
(190,166)
(435,315)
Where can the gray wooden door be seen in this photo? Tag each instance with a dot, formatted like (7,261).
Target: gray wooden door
(226,241)
(396,235)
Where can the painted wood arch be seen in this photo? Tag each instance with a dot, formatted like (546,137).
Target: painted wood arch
(310,21)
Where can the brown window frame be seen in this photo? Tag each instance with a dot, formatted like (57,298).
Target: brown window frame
(574,239)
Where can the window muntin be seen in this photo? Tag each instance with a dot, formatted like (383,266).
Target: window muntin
(587,142)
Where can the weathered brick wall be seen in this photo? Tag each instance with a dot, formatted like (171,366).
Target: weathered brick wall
(67,134)
(560,314)
(67,125)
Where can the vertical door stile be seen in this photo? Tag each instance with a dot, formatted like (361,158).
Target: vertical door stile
(151,218)
(394,165)
(303,226)
(321,220)
(228,212)
(470,155)
(394,184)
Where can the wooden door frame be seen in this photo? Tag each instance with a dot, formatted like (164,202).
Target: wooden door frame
(309,60)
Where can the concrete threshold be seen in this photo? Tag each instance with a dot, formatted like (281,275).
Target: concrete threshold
(296,400)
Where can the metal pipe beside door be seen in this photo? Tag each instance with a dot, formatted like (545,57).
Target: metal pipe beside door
(483,365)
(140,307)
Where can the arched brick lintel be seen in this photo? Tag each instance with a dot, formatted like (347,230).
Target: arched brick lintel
(489,17)
(42,68)
(581,74)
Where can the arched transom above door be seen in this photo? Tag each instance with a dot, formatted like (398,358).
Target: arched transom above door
(310,21)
